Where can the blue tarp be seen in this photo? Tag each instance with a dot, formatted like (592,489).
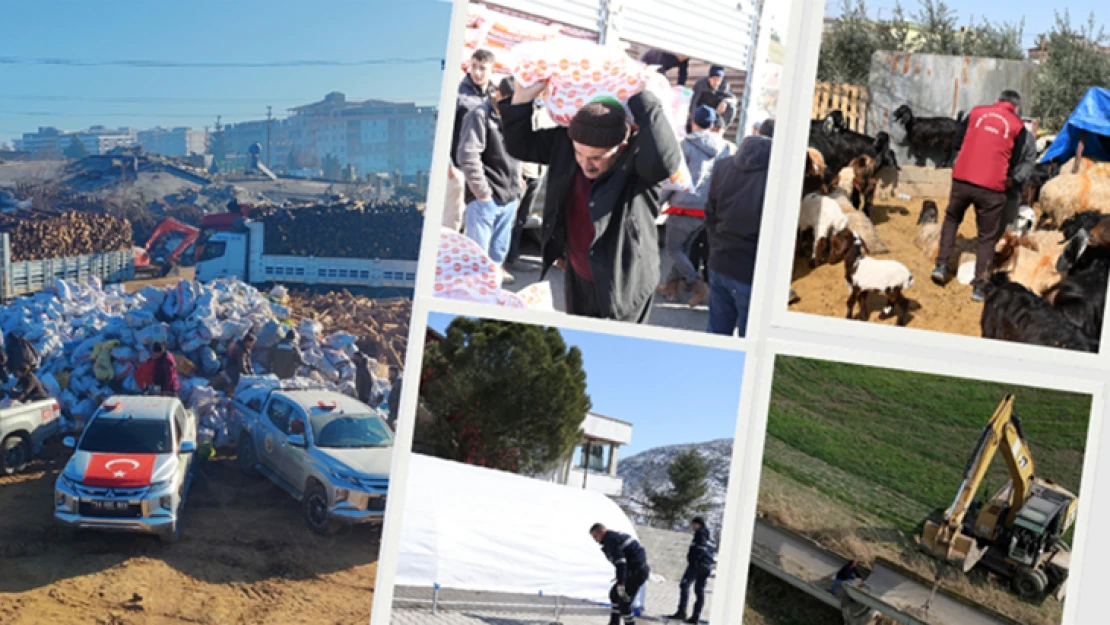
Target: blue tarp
(1092,115)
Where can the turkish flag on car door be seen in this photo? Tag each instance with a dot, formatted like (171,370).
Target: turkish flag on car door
(120,470)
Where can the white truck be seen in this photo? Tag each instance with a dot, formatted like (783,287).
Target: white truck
(329,451)
(131,469)
(241,255)
(23,428)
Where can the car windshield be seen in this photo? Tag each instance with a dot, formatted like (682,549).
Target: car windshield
(127,436)
(213,249)
(342,430)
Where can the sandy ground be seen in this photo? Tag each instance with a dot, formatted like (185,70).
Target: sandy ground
(246,557)
(823,290)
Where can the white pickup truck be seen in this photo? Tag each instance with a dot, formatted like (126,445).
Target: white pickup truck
(23,428)
(329,451)
(131,469)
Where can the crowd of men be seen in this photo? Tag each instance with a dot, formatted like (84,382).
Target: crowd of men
(605,174)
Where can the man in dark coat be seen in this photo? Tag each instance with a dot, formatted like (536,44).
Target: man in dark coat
(847,573)
(474,89)
(28,387)
(713,91)
(285,357)
(630,562)
(240,360)
(603,196)
(364,378)
(394,400)
(666,62)
(733,212)
(699,564)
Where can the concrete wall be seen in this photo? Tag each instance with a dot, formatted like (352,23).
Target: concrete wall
(937,86)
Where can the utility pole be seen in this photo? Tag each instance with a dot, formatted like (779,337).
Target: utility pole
(269,119)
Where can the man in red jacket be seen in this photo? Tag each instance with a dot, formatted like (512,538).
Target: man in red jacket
(981,177)
(159,373)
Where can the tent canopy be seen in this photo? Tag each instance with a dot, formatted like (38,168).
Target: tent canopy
(472,528)
(1092,115)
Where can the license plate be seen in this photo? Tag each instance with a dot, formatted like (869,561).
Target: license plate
(109,505)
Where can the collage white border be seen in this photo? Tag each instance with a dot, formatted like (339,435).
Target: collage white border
(772,330)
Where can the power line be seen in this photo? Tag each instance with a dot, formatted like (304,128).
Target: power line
(170,100)
(145,63)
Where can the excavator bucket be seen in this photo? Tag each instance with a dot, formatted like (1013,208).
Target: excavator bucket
(957,548)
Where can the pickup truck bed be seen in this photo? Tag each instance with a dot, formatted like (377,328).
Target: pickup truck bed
(23,429)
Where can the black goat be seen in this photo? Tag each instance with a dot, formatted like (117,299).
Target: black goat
(839,146)
(1080,296)
(1042,173)
(1085,220)
(1012,312)
(931,133)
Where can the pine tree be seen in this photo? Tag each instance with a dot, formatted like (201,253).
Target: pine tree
(505,395)
(688,474)
(76,149)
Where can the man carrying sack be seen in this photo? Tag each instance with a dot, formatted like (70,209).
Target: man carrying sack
(604,185)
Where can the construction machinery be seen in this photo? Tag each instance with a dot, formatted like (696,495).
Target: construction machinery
(1017,534)
(166,249)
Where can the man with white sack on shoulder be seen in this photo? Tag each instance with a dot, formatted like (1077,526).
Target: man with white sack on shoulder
(603,195)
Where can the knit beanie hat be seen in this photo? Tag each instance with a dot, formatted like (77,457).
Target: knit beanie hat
(600,124)
(717,70)
(705,117)
(767,128)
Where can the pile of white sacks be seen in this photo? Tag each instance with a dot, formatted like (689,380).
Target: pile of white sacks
(91,338)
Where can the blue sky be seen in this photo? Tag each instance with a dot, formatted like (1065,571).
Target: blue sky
(206,31)
(1039,15)
(672,393)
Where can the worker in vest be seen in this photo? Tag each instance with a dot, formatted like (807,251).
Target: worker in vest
(630,561)
(982,175)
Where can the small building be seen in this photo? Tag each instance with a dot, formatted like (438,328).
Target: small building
(593,465)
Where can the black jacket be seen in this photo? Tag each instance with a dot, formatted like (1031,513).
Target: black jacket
(488,168)
(734,209)
(239,362)
(285,357)
(364,381)
(625,552)
(470,97)
(704,94)
(666,62)
(29,388)
(700,554)
(394,402)
(624,201)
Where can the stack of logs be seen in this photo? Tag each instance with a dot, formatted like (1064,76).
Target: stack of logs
(39,234)
(381,325)
(386,230)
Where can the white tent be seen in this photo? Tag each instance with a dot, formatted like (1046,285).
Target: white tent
(471,528)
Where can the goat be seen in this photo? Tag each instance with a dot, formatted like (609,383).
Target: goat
(1080,295)
(838,145)
(931,133)
(822,215)
(1025,263)
(1080,221)
(814,179)
(1012,312)
(865,172)
(865,275)
(1026,221)
(1042,173)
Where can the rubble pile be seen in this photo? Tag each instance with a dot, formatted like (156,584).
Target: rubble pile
(92,338)
(35,235)
(380,323)
(387,230)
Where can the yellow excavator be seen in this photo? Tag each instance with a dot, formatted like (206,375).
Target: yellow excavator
(1018,534)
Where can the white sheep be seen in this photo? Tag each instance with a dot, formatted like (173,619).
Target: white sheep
(821,214)
(865,275)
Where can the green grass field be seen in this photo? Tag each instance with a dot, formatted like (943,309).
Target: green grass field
(907,436)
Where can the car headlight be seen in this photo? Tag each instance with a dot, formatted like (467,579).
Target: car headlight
(67,481)
(157,486)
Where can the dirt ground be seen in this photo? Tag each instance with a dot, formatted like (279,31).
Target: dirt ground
(823,290)
(246,557)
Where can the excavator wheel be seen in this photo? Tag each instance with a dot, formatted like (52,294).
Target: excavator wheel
(1030,584)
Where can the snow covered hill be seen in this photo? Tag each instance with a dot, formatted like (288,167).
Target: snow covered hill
(650,468)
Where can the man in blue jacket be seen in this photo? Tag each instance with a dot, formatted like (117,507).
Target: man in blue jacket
(699,564)
(733,212)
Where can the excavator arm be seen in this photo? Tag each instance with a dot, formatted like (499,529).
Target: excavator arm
(947,539)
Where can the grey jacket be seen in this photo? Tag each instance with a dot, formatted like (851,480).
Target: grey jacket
(470,97)
(701,150)
(488,168)
(1023,159)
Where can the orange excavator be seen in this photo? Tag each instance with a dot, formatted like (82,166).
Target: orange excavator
(165,250)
